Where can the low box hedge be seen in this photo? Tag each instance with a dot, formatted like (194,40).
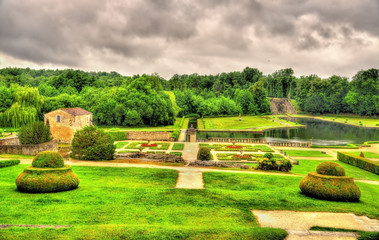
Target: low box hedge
(360,162)
(8,163)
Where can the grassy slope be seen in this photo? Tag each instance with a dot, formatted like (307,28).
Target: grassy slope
(123,203)
(148,128)
(232,123)
(306,166)
(304,153)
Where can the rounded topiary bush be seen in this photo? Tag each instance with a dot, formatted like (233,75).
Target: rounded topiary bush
(47,174)
(336,188)
(331,169)
(48,159)
(41,180)
(204,154)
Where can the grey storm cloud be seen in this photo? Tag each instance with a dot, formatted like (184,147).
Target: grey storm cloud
(169,36)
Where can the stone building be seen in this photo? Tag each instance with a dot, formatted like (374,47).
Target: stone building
(66,121)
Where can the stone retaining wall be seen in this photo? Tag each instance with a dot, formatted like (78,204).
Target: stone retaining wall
(151,156)
(29,149)
(9,141)
(153,136)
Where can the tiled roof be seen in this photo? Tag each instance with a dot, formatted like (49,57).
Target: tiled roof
(76,111)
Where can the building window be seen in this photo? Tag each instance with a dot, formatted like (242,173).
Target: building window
(58,118)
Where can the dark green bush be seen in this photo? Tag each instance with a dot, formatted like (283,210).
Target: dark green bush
(272,164)
(91,143)
(35,133)
(330,168)
(41,180)
(118,136)
(333,188)
(48,159)
(192,115)
(360,162)
(204,154)
(8,163)
(268,155)
(1,133)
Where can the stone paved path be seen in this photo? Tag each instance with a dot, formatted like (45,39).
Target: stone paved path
(297,224)
(190,151)
(190,179)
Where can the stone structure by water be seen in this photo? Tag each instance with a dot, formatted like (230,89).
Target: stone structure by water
(282,106)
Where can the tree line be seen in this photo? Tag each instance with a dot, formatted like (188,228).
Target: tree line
(27,94)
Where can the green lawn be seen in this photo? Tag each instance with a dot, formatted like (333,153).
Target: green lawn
(304,153)
(15,156)
(252,123)
(366,154)
(178,146)
(306,166)
(121,144)
(136,203)
(127,203)
(170,128)
(348,119)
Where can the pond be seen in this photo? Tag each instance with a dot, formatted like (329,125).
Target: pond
(322,132)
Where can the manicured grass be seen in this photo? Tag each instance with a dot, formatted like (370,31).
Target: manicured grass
(179,154)
(178,146)
(15,156)
(306,166)
(127,151)
(304,153)
(251,123)
(253,157)
(121,144)
(266,192)
(177,125)
(366,154)
(129,203)
(347,119)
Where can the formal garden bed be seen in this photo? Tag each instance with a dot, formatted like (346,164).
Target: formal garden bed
(247,156)
(304,153)
(237,147)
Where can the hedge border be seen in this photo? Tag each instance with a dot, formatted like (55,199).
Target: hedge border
(9,163)
(359,162)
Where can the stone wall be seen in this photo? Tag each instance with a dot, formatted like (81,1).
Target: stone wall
(29,149)
(151,157)
(153,136)
(282,106)
(9,141)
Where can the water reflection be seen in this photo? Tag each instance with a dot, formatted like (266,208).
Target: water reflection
(322,132)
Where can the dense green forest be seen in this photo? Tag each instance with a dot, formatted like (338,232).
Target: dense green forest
(26,94)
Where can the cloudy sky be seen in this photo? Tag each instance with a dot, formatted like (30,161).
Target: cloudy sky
(322,37)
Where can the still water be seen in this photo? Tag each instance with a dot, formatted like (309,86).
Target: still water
(322,132)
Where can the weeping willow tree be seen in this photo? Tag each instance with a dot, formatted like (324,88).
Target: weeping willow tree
(25,109)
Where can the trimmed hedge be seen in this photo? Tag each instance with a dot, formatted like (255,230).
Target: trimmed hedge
(331,169)
(271,164)
(333,188)
(118,136)
(204,154)
(360,162)
(8,163)
(42,180)
(48,159)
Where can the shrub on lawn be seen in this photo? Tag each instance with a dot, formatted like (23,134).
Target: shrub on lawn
(204,154)
(91,143)
(360,162)
(336,187)
(272,164)
(34,133)
(48,159)
(268,155)
(47,174)
(8,163)
(330,168)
